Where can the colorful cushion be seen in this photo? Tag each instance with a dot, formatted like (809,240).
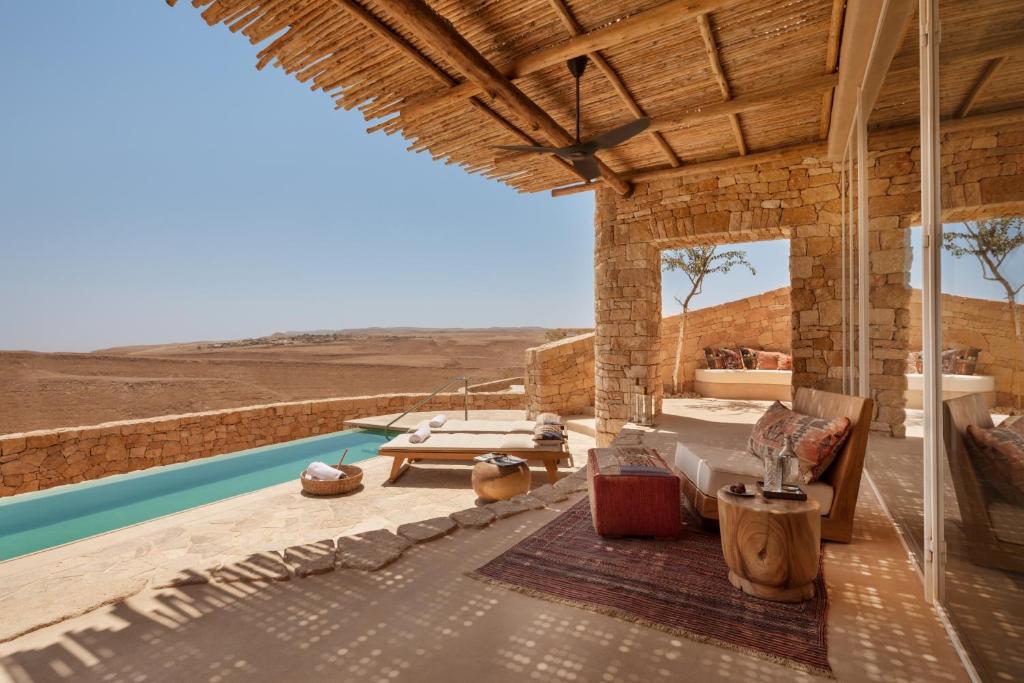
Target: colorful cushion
(749,358)
(967,361)
(731,359)
(915,363)
(549,419)
(1015,423)
(817,441)
(949,361)
(786,362)
(711,356)
(548,433)
(998,454)
(773,360)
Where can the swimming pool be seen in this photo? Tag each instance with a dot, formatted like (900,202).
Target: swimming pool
(36,521)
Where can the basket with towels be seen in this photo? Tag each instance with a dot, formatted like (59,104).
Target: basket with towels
(321,479)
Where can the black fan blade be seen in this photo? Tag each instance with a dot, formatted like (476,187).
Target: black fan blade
(586,166)
(529,148)
(616,136)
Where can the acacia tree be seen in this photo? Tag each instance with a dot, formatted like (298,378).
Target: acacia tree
(992,242)
(698,263)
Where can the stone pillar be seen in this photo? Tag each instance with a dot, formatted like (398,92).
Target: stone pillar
(627,299)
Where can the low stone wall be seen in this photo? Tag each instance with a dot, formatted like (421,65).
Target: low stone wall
(761,321)
(560,376)
(980,323)
(497,385)
(42,459)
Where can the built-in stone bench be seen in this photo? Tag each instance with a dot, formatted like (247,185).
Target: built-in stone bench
(953,386)
(749,385)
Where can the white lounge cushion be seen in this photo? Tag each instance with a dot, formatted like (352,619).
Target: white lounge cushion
(779,377)
(967,384)
(487,427)
(471,443)
(710,468)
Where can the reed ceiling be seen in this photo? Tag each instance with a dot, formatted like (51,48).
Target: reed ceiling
(364,57)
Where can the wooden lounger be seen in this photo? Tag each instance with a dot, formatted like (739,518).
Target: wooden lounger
(465,447)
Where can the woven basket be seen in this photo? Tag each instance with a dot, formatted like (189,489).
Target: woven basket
(320,487)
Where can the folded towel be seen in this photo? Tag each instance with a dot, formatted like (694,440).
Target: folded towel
(548,419)
(324,472)
(420,435)
(548,433)
(438,421)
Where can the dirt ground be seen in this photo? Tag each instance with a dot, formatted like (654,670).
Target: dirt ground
(48,390)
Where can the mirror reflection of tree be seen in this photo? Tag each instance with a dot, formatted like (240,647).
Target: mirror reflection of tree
(992,242)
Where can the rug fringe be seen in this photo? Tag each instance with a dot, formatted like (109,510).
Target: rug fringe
(625,616)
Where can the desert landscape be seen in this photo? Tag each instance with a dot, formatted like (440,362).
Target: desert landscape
(49,390)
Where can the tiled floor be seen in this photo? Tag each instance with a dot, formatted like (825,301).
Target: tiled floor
(422,619)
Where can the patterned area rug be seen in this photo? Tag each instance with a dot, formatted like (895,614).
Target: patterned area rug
(683,589)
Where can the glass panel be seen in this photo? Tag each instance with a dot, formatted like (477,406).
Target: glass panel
(896,454)
(983,352)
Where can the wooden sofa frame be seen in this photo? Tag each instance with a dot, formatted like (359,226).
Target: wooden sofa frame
(843,475)
(984,547)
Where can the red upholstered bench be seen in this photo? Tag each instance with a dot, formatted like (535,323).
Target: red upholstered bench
(633,492)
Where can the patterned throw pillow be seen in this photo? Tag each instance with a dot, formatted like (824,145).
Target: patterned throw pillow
(749,358)
(817,441)
(549,419)
(915,364)
(1015,423)
(731,359)
(548,433)
(786,362)
(967,361)
(712,358)
(949,361)
(999,456)
(772,360)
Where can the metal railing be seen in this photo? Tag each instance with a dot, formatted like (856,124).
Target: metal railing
(421,402)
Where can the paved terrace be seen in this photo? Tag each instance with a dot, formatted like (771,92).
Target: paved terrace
(419,618)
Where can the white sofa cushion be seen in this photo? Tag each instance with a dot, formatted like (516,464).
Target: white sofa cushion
(710,468)
(779,377)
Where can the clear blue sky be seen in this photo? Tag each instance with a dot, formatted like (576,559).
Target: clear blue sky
(155,187)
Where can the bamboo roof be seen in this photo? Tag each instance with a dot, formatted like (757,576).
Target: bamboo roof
(981,64)
(744,57)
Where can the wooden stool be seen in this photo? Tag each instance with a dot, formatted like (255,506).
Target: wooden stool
(771,546)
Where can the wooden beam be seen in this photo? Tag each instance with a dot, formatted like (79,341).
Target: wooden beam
(418,18)
(872,34)
(979,86)
(745,103)
(618,33)
(831,62)
(613,79)
(816,149)
(711,49)
(705,167)
(399,43)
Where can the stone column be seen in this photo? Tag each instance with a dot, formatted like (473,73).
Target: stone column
(627,300)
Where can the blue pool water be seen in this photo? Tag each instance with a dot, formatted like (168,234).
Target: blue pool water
(36,521)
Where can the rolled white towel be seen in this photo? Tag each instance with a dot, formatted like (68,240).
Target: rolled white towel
(420,435)
(438,421)
(324,472)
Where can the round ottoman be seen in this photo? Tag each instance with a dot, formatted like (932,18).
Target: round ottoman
(491,482)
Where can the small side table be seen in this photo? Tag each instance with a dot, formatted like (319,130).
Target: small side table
(771,546)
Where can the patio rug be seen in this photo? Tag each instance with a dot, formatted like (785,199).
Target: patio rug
(680,587)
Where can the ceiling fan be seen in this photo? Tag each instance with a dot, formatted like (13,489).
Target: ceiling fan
(581,154)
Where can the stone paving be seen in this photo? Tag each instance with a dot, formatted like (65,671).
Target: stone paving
(262,535)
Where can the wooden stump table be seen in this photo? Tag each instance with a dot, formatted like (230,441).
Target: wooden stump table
(771,546)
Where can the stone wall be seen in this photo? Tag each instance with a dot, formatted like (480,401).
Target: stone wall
(984,324)
(797,199)
(760,321)
(42,459)
(560,376)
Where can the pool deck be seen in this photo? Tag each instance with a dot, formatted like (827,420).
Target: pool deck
(72,579)
(421,618)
